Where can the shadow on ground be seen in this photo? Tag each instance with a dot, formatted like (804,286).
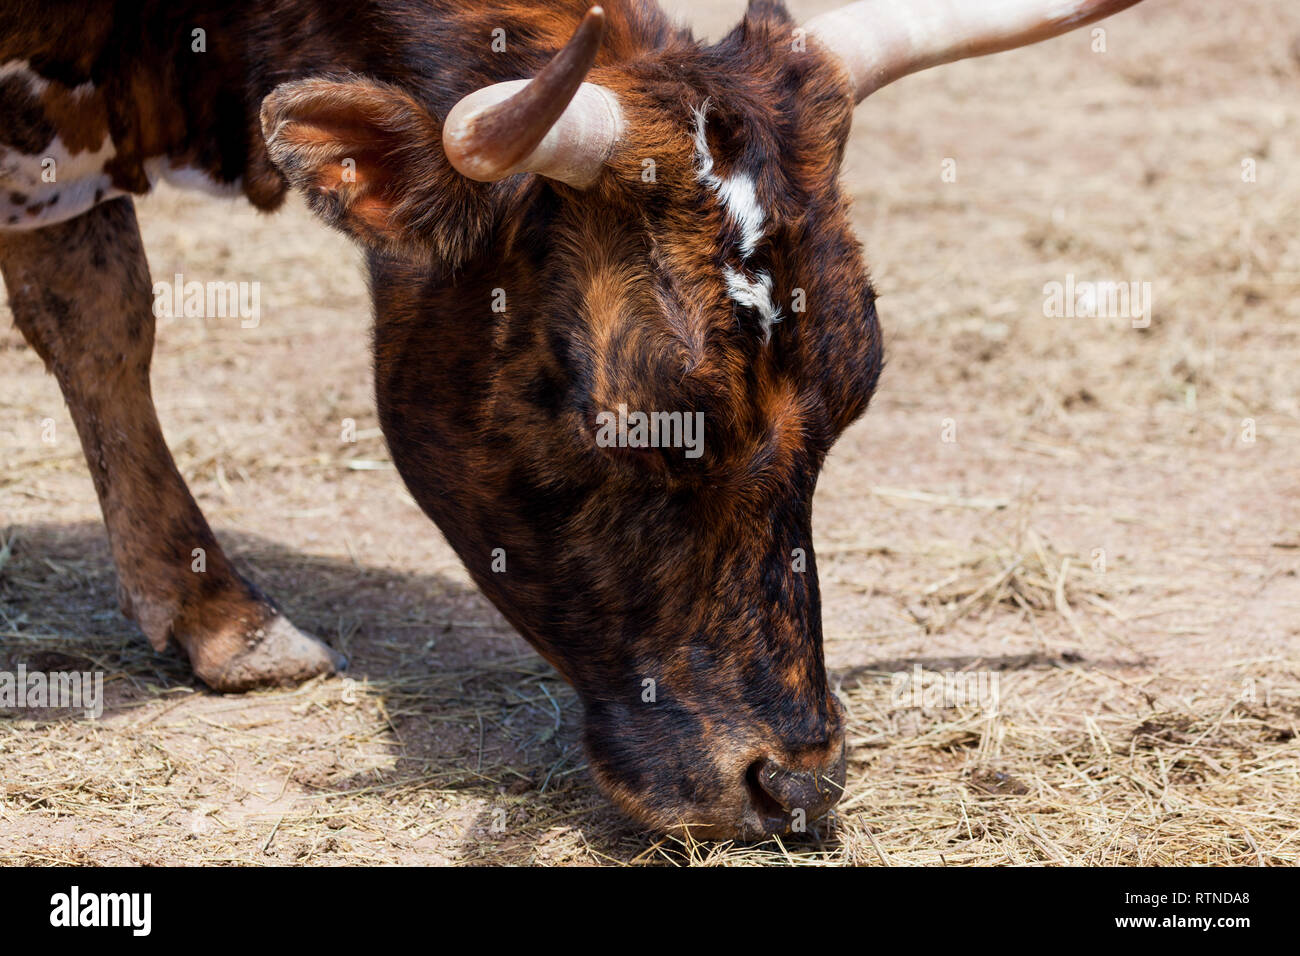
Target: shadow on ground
(462,703)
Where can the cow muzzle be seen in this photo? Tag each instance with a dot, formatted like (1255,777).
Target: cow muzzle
(785,799)
(736,783)
(788,793)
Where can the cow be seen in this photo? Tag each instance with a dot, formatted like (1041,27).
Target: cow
(576,221)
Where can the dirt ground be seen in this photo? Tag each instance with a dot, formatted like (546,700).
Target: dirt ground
(1114,533)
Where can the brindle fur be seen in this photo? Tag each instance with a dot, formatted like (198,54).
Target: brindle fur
(620,567)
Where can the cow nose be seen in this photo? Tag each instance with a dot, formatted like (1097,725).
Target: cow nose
(812,791)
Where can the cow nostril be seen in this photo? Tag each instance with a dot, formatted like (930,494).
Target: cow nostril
(768,807)
(790,791)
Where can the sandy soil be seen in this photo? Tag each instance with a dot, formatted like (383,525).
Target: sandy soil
(1147,711)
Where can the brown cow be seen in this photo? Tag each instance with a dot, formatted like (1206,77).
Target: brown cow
(660,223)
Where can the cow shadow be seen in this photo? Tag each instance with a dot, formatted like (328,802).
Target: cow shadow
(469,706)
(59,609)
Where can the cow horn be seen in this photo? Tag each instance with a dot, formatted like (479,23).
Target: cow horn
(882,40)
(554,125)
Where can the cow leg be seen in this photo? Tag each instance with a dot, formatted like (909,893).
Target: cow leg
(81,295)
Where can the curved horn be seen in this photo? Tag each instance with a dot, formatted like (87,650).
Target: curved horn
(554,125)
(882,40)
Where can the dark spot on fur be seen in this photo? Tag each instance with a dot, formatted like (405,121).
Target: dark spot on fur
(25,127)
(63,72)
(59,308)
(17,198)
(546,392)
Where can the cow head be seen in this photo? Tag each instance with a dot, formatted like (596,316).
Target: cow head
(621,318)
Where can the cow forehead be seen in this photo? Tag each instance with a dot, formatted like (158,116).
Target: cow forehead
(737,193)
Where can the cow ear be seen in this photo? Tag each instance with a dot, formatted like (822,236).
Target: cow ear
(369,160)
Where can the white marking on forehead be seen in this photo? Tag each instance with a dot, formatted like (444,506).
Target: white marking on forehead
(737,192)
(739,198)
(754,294)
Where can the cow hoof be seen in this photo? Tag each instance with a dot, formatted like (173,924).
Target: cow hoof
(277,654)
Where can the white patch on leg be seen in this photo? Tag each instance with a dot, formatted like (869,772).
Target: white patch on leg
(189,178)
(81,182)
(38,84)
(29,201)
(79,178)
